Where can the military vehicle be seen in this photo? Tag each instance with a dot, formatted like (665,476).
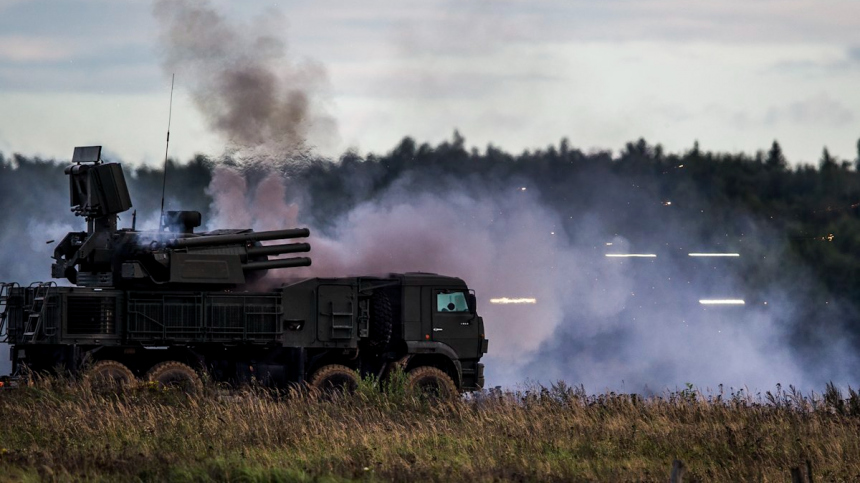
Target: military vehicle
(168,305)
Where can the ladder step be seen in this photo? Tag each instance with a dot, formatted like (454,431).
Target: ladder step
(34,316)
(39,299)
(28,334)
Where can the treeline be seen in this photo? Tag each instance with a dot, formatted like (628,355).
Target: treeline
(706,196)
(711,197)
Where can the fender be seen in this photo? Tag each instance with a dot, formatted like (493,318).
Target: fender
(416,347)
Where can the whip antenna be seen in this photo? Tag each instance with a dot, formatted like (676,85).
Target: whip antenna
(166,147)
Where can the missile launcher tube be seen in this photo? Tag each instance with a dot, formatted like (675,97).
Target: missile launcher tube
(279,249)
(283,263)
(215,240)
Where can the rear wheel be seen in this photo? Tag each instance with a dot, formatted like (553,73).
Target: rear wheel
(175,374)
(335,378)
(109,375)
(432,381)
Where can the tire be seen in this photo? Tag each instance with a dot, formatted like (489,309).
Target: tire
(176,375)
(432,382)
(335,378)
(110,375)
(380,323)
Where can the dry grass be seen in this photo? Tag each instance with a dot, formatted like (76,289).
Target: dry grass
(62,430)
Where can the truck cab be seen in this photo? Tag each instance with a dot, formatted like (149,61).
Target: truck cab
(440,321)
(413,320)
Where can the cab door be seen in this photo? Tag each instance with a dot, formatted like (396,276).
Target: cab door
(454,322)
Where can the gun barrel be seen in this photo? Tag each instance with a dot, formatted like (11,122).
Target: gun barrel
(279,249)
(215,240)
(282,263)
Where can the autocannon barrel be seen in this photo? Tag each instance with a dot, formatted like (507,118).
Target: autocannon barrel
(203,241)
(278,249)
(282,263)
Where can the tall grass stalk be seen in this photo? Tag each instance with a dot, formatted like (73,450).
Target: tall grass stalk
(62,429)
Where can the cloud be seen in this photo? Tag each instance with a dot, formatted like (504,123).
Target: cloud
(730,21)
(18,48)
(821,110)
(5,146)
(841,61)
(85,46)
(458,83)
(515,73)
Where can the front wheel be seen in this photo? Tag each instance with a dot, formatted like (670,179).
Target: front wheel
(432,382)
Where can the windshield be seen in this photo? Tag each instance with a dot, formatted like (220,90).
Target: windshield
(451,302)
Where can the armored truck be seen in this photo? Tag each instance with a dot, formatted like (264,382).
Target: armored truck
(172,305)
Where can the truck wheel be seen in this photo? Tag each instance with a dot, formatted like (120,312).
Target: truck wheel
(335,377)
(109,375)
(431,381)
(175,374)
(380,322)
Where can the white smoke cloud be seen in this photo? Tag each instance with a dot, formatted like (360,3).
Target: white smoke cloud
(632,324)
(228,190)
(498,245)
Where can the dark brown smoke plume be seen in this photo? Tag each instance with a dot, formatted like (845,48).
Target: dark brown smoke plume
(242,80)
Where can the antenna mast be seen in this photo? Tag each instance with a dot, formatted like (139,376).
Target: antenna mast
(166,147)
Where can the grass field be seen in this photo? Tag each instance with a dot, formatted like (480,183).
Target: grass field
(65,430)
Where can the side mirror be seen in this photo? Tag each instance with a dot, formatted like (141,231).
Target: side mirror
(473,302)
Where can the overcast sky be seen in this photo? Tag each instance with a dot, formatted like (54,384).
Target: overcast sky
(734,75)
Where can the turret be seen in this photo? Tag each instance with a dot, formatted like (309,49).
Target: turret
(173,258)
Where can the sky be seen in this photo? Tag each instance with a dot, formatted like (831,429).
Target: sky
(733,75)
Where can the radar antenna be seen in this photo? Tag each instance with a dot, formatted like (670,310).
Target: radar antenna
(166,147)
